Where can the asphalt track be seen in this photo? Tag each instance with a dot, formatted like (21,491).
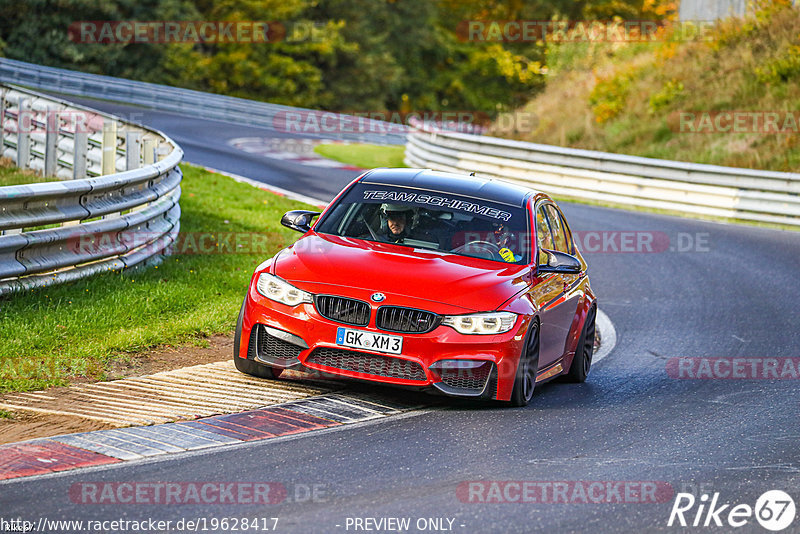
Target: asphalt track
(732,296)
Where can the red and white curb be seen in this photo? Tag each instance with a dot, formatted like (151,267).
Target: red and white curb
(179,394)
(72,451)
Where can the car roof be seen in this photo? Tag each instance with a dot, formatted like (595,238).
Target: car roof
(458,184)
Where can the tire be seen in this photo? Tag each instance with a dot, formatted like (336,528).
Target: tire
(248,366)
(582,362)
(527,368)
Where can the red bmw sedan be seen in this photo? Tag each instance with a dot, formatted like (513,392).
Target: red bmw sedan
(464,286)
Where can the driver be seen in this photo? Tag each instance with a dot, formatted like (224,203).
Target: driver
(396,221)
(504,239)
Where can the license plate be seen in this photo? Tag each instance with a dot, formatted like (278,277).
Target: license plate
(359,339)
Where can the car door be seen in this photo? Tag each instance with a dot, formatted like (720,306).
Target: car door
(567,303)
(545,292)
(553,292)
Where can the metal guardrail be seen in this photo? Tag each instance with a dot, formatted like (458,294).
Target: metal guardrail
(710,10)
(196,103)
(115,207)
(745,194)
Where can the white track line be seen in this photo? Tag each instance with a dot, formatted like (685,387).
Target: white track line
(608,336)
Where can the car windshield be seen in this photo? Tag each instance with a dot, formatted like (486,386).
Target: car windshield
(431,220)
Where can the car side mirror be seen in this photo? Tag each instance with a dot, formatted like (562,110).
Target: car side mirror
(299,220)
(560,262)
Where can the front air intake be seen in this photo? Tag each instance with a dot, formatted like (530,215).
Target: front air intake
(343,310)
(406,320)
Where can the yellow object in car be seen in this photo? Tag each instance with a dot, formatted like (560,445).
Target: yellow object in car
(507,255)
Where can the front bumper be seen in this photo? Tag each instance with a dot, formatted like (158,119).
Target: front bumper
(449,362)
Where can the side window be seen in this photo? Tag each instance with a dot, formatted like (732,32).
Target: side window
(543,236)
(559,232)
(568,234)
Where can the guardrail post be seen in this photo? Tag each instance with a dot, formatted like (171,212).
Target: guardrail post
(133,149)
(79,150)
(24,125)
(109,161)
(2,120)
(149,152)
(52,124)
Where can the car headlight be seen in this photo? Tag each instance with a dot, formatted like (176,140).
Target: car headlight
(482,323)
(281,291)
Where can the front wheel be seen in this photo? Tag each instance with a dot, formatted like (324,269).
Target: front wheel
(527,368)
(582,361)
(248,366)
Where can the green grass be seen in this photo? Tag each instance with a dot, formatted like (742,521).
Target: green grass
(50,336)
(363,155)
(10,175)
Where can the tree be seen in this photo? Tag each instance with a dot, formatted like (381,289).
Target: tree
(351,55)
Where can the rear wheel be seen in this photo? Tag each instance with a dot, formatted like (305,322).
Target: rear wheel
(250,367)
(528,366)
(582,362)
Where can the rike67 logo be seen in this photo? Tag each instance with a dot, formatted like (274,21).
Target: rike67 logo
(774,510)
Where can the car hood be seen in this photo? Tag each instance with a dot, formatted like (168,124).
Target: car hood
(472,284)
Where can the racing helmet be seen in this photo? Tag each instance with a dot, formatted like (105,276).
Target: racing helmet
(388,209)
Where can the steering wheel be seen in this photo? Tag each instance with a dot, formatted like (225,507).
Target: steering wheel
(482,249)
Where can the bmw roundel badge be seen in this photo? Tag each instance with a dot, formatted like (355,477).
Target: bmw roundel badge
(378,297)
